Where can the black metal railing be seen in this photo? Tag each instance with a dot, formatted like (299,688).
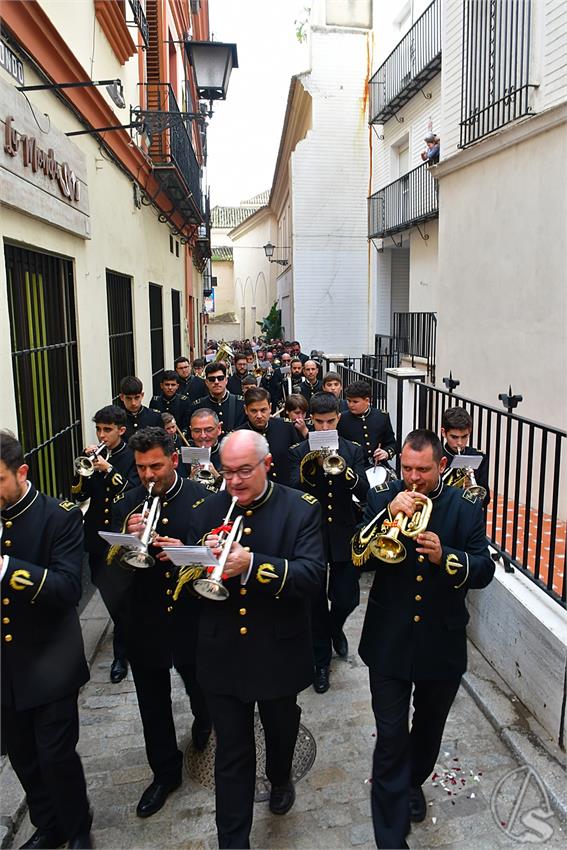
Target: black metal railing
(172,152)
(41,304)
(156,334)
(412,63)
(524,467)
(409,200)
(414,335)
(120,329)
(495,88)
(351,370)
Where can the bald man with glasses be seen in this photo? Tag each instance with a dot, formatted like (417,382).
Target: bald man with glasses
(255,646)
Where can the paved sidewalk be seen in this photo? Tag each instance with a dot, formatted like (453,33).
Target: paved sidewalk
(332,808)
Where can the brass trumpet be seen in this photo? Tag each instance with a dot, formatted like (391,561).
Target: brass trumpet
(84,464)
(472,487)
(212,586)
(140,558)
(333,463)
(385,545)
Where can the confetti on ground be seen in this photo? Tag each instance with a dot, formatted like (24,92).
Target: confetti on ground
(433,821)
(455,779)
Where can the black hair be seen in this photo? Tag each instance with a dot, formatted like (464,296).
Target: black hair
(11,452)
(181,359)
(324,403)
(215,367)
(456,417)
(240,355)
(256,394)
(130,385)
(421,438)
(152,438)
(200,361)
(111,415)
(332,376)
(296,401)
(169,375)
(358,389)
(249,380)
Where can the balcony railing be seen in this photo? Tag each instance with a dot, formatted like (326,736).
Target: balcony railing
(173,156)
(409,200)
(414,335)
(413,62)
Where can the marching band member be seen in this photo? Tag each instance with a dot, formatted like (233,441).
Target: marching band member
(280,435)
(414,630)
(456,429)
(367,426)
(171,400)
(190,385)
(227,406)
(160,633)
(43,659)
(137,415)
(338,522)
(255,646)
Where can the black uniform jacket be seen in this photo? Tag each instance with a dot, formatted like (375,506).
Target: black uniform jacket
(194,387)
(234,384)
(144,418)
(458,477)
(43,658)
(368,430)
(281,436)
(416,617)
(306,389)
(335,493)
(230,410)
(257,644)
(178,405)
(159,631)
(101,488)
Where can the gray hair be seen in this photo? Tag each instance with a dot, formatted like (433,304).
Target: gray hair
(256,441)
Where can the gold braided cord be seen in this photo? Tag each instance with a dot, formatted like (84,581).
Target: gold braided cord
(310,457)
(186,574)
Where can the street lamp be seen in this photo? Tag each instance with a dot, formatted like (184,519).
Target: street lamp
(269,252)
(212,63)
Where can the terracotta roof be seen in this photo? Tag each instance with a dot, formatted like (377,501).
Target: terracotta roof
(229,217)
(260,200)
(221,253)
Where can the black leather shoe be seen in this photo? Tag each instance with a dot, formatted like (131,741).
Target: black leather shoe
(282,798)
(321,680)
(340,645)
(81,841)
(43,838)
(153,798)
(200,736)
(118,670)
(417,805)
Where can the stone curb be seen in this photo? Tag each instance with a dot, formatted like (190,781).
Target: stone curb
(94,623)
(521,732)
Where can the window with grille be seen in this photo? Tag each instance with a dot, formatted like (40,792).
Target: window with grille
(156,334)
(120,328)
(176,322)
(496,85)
(41,303)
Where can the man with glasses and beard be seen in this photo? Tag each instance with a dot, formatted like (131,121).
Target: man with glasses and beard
(227,406)
(160,633)
(255,646)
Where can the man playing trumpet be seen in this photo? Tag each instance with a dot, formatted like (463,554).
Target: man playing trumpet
(255,645)
(414,630)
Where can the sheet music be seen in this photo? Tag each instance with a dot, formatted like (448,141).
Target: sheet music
(116,539)
(466,462)
(194,455)
(323,440)
(182,556)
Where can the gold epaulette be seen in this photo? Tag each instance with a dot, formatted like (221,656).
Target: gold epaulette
(307,497)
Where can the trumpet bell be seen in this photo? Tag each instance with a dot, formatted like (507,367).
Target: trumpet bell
(478,491)
(334,465)
(83,466)
(136,560)
(210,588)
(388,548)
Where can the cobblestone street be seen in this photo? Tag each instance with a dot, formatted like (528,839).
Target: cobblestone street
(332,808)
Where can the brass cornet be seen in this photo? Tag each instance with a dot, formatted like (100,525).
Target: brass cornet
(333,463)
(84,464)
(472,488)
(140,558)
(212,586)
(385,545)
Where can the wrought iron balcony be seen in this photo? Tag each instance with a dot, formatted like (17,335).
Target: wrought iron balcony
(412,63)
(173,156)
(407,201)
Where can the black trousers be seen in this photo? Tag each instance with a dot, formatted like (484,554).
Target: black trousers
(235,761)
(403,758)
(41,744)
(153,688)
(344,595)
(113,587)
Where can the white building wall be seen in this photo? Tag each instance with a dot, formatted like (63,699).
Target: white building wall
(254,285)
(330,183)
(554,58)
(424,270)
(451,74)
